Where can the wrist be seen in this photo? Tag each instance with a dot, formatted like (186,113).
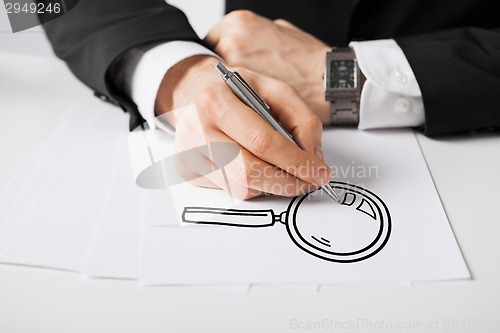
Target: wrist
(322,107)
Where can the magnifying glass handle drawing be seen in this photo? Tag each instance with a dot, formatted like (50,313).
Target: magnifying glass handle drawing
(255,218)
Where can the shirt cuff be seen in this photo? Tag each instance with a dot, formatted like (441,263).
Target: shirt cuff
(391,96)
(146,66)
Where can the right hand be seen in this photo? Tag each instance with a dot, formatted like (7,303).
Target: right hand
(270,163)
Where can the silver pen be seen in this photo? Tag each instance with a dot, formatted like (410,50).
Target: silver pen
(248,96)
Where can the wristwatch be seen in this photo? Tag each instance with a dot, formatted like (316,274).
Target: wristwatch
(342,86)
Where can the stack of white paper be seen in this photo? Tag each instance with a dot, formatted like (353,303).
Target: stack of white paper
(76,206)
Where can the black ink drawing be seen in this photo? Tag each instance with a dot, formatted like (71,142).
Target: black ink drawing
(357,198)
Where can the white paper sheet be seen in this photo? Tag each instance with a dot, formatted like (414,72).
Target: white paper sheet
(153,217)
(56,230)
(10,193)
(114,249)
(391,172)
(40,174)
(73,214)
(159,209)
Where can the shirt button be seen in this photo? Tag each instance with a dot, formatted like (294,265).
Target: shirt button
(402,105)
(398,77)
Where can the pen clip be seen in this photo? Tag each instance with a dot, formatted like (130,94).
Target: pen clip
(254,94)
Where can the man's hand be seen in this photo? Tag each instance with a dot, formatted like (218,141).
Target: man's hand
(277,49)
(270,163)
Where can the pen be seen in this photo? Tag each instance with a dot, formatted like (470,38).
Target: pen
(248,96)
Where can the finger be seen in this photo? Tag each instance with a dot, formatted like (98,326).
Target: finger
(248,175)
(197,166)
(202,181)
(222,110)
(266,178)
(217,180)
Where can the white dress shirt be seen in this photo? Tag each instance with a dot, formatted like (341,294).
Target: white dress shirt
(390,96)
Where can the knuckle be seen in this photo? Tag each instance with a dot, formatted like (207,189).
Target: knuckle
(206,101)
(245,177)
(282,87)
(241,192)
(237,44)
(281,21)
(223,48)
(289,89)
(241,16)
(313,124)
(206,96)
(309,129)
(230,45)
(241,189)
(261,144)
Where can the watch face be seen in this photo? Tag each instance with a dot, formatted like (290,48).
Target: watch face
(342,74)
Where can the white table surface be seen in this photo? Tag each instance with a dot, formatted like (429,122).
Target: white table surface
(35,91)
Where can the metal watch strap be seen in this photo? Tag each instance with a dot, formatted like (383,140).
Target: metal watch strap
(344,105)
(344,111)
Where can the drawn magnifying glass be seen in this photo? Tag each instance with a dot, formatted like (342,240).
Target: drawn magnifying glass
(355,230)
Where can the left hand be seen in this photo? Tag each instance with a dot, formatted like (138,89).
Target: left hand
(277,49)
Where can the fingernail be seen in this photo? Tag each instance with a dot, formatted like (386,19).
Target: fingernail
(318,151)
(322,177)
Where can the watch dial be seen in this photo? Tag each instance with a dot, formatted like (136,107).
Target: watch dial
(342,74)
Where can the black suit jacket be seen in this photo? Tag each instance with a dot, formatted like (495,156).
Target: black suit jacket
(453,46)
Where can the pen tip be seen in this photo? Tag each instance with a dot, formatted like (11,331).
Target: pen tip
(331,192)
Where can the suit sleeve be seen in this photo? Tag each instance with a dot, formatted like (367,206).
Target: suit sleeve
(458,72)
(95,33)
